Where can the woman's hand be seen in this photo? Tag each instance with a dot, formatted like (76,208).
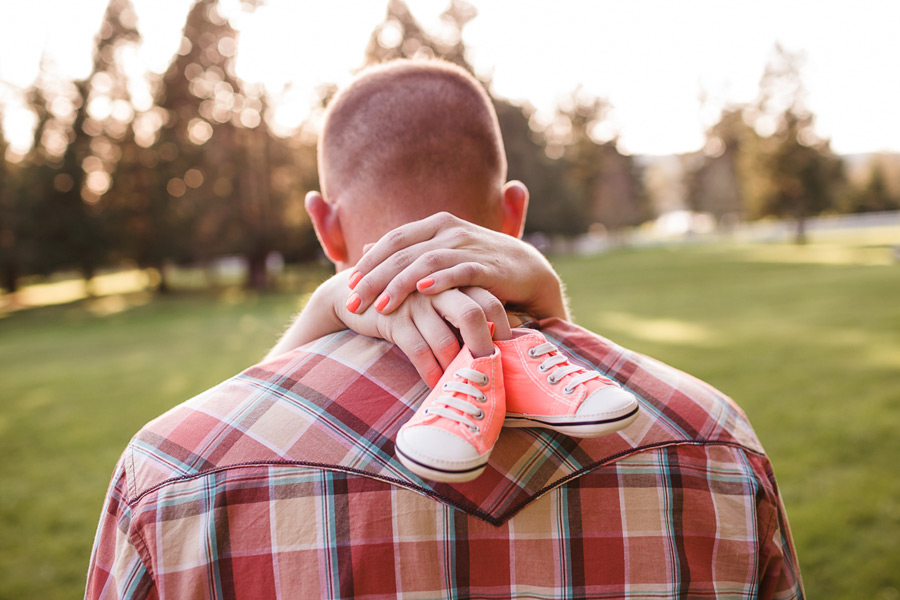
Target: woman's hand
(424,328)
(442,252)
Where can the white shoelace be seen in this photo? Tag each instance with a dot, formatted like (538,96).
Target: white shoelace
(442,405)
(563,367)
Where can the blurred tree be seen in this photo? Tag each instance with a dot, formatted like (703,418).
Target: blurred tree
(875,195)
(139,224)
(67,170)
(25,218)
(114,183)
(18,220)
(195,95)
(618,199)
(52,179)
(554,205)
(797,174)
(103,119)
(608,184)
(260,227)
(10,266)
(716,177)
(45,224)
(216,155)
(195,176)
(401,36)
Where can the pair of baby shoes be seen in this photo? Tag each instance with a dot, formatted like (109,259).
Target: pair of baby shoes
(526,382)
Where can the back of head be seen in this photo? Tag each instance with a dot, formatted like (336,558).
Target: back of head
(410,138)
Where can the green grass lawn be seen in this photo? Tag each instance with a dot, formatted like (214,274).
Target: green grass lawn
(806,339)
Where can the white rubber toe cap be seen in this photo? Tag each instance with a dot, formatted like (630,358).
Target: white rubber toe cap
(608,402)
(436,445)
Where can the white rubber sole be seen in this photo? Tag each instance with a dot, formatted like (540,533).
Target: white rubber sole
(584,426)
(441,473)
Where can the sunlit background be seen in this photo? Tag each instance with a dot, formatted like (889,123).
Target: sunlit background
(126,121)
(653,60)
(718,183)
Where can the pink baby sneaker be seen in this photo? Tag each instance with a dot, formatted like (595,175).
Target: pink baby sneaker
(454,430)
(544,389)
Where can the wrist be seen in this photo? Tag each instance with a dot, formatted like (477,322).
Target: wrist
(549,298)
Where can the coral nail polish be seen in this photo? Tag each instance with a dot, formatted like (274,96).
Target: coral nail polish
(354,279)
(353,303)
(382,302)
(424,284)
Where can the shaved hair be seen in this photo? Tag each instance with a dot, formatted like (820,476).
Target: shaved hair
(411,138)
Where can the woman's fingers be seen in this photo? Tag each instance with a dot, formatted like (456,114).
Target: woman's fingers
(494,311)
(467,316)
(406,336)
(457,275)
(390,282)
(437,334)
(424,329)
(402,237)
(420,245)
(421,273)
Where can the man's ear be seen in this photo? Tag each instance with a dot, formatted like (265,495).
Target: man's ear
(327,223)
(515,208)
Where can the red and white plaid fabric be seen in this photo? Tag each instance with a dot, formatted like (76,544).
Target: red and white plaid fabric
(282,482)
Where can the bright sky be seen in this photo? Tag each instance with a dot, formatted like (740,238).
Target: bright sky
(649,57)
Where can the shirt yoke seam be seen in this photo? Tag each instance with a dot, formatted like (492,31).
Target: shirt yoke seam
(498,520)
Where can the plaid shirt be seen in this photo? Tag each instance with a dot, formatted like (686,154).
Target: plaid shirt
(282,482)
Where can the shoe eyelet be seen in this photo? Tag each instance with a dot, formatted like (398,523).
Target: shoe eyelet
(531,353)
(486,380)
(568,391)
(474,429)
(479,416)
(482,398)
(542,368)
(552,380)
(444,388)
(426,411)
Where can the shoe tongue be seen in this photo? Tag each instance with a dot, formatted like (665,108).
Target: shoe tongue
(527,335)
(520,333)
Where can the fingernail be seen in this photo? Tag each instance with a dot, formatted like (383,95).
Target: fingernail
(382,302)
(354,279)
(424,284)
(491,327)
(353,302)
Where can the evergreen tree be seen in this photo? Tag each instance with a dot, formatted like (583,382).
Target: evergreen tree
(50,216)
(717,176)
(608,184)
(401,36)
(554,205)
(92,154)
(213,182)
(797,173)
(196,94)
(876,195)
(66,172)
(106,134)
(10,245)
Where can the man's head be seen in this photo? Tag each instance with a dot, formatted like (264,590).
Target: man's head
(405,140)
